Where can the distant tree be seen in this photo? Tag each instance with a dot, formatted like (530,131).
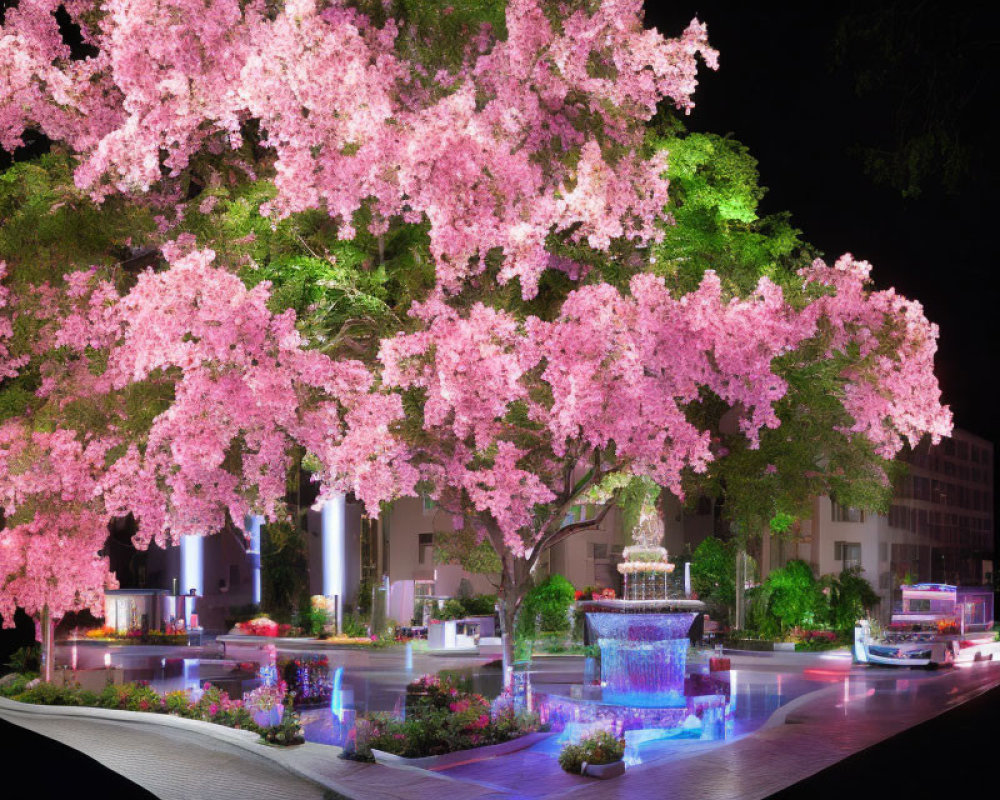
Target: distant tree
(850,597)
(713,575)
(793,597)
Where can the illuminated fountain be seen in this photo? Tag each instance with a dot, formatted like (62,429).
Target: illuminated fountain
(645,692)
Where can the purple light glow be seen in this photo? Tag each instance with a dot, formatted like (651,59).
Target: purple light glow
(643,657)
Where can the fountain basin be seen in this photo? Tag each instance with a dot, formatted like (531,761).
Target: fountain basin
(643,657)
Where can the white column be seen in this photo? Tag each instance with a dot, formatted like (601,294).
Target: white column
(253,523)
(334,540)
(192,571)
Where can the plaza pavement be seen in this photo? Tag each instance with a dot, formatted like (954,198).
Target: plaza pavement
(176,758)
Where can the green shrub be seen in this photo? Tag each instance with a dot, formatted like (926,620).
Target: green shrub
(15,683)
(178,703)
(549,603)
(480,605)
(795,597)
(354,626)
(453,609)
(25,659)
(48,694)
(598,748)
(130,697)
(442,716)
(851,597)
(285,734)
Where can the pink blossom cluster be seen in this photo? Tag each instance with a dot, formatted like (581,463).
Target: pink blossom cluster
(533,134)
(9,365)
(243,385)
(51,560)
(612,370)
(890,389)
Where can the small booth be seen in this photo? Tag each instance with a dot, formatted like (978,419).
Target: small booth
(136,609)
(452,634)
(968,608)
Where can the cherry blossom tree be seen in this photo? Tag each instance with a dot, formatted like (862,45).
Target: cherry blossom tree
(500,199)
(55,527)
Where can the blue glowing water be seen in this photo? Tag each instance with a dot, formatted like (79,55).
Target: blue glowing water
(643,657)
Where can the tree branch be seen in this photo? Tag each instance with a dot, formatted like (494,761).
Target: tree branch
(566,531)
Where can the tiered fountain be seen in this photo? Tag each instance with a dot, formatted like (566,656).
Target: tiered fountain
(643,639)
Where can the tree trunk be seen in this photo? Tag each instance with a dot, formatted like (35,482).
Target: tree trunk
(508,615)
(741,578)
(48,640)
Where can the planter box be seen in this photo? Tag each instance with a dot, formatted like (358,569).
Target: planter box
(604,771)
(784,647)
(717,664)
(459,756)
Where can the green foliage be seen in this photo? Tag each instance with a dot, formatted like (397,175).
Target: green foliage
(638,494)
(851,597)
(795,597)
(442,716)
(548,603)
(130,697)
(315,620)
(791,598)
(284,570)
(286,733)
(14,684)
(480,605)
(25,659)
(714,197)
(453,609)
(48,227)
(714,200)
(781,522)
(48,694)
(354,626)
(713,575)
(467,550)
(598,748)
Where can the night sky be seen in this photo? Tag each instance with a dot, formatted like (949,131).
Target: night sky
(781,90)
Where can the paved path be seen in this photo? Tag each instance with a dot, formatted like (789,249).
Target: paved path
(858,709)
(172,763)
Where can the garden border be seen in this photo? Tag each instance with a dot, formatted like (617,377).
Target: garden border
(244,740)
(457,757)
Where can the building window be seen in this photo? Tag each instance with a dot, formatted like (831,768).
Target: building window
(848,553)
(598,551)
(839,513)
(428,504)
(425,548)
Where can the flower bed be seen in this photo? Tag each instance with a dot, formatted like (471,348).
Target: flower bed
(440,718)
(214,705)
(308,678)
(137,636)
(597,750)
(262,626)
